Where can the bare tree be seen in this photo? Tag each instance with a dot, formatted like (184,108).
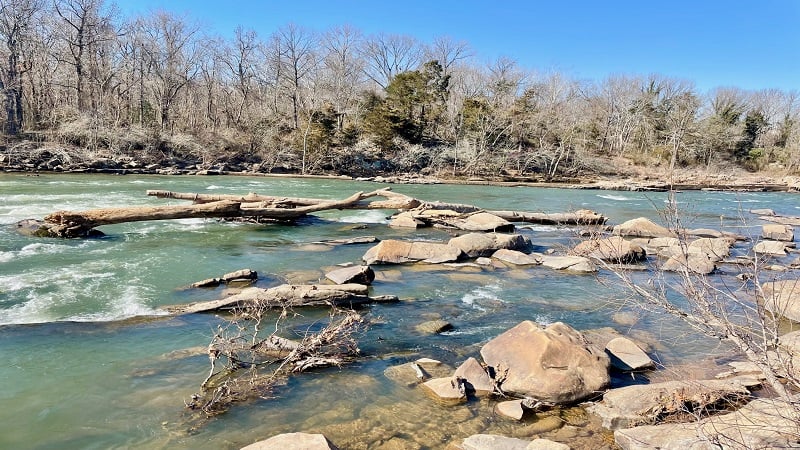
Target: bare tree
(388,55)
(298,60)
(344,69)
(16,21)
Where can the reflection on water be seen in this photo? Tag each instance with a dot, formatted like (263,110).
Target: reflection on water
(75,376)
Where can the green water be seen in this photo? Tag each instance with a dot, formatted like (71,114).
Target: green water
(88,362)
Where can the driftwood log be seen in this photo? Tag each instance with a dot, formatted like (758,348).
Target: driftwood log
(68,224)
(287,296)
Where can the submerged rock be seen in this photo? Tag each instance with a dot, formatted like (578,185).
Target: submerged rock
(294,441)
(554,364)
(434,326)
(495,442)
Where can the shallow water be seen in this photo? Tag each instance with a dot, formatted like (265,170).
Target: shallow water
(91,363)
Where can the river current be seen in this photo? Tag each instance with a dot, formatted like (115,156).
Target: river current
(90,361)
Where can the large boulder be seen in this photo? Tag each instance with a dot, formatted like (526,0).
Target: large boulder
(630,406)
(614,249)
(642,227)
(762,423)
(783,298)
(553,364)
(293,441)
(484,244)
(777,232)
(393,251)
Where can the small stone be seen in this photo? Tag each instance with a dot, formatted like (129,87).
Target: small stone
(511,409)
(290,441)
(627,356)
(210,282)
(446,390)
(353,274)
(244,274)
(493,442)
(546,444)
(517,257)
(434,326)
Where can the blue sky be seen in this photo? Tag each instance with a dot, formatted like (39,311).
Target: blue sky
(751,45)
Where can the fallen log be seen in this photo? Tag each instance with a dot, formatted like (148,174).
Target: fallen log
(286,296)
(580,217)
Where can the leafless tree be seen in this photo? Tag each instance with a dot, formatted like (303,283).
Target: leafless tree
(17,18)
(386,55)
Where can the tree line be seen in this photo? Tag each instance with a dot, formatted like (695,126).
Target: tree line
(159,87)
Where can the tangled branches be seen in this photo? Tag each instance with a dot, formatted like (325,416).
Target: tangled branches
(247,361)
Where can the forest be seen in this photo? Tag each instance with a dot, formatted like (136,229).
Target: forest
(82,83)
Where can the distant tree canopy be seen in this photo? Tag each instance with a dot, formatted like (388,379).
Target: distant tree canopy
(76,72)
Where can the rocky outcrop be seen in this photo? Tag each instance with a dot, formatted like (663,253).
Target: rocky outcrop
(762,423)
(648,404)
(354,274)
(553,364)
(293,441)
(484,244)
(614,249)
(397,252)
(642,227)
(783,298)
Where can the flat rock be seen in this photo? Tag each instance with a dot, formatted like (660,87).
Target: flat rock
(546,444)
(645,404)
(627,356)
(661,242)
(783,298)
(517,257)
(511,409)
(478,380)
(484,244)
(642,227)
(771,248)
(293,441)
(777,232)
(210,282)
(577,264)
(493,442)
(614,249)
(762,212)
(244,274)
(353,274)
(408,374)
(554,364)
(405,220)
(397,252)
(770,423)
(445,390)
(484,221)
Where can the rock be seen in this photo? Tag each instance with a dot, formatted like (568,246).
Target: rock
(511,409)
(209,282)
(777,232)
(546,444)
(484,244)
(627,356)
(353,274)
(771,248)
(705,233)
(397,252)
(783,298)
(478,380)
(434,326)
(516,257)
(493,442)
(762,423)
(577,264)
(763,212)
(642,227)
(694,263)
(554,364)
(646,404)
(614,249)
(405,220)
(408,374)
(445,390)
(293,441)
(483,221)
(244,274)
(715,249)
(661,242)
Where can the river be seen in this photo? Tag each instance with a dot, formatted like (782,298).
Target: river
(89,361)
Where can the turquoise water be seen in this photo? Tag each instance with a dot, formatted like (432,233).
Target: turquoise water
(90,362)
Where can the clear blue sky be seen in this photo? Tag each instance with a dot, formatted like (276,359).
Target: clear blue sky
(748,44)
